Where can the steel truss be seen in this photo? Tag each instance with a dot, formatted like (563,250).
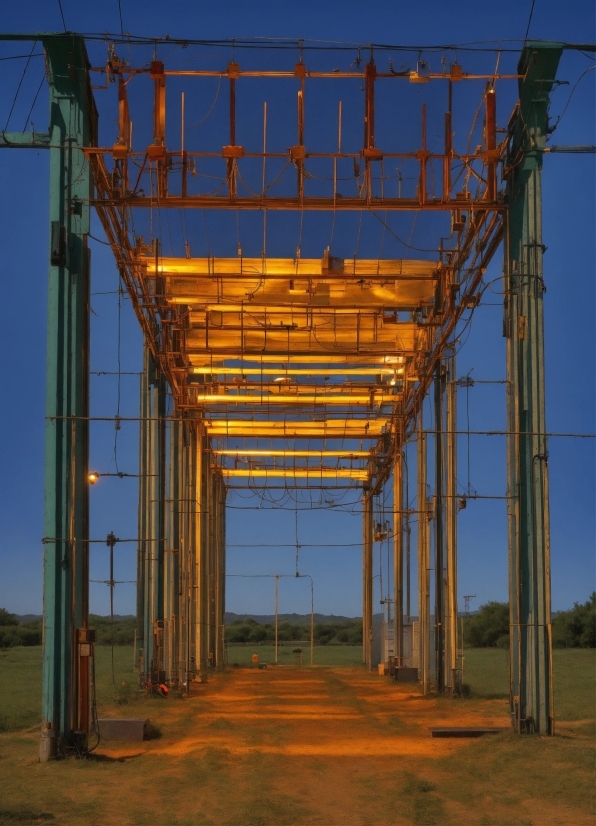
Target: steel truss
(361,342)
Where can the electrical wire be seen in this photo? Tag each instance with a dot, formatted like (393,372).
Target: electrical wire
(530,19)
(62,14)
(120,15)
(16,94)
(43,77)
(575,85)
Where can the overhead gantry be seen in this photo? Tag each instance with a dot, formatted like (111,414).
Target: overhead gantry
(309,370)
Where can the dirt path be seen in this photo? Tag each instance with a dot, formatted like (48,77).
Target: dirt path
(305,747)
(334,712)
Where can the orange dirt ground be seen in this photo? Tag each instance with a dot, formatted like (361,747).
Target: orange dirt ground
(304,747)
(349,747)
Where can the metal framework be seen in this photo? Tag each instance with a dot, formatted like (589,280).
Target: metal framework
(328,359)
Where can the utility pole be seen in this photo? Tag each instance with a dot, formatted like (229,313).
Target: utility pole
(276,612)
(467,599)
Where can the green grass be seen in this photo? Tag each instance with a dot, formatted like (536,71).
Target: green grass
(20,688)
(486,671)
(499,781)
(335,655)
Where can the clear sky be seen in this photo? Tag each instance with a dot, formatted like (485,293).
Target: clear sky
(569,220)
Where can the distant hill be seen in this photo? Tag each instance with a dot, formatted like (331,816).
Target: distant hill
(298,619)
(38,617)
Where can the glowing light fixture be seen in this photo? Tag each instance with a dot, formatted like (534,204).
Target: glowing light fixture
(92,477)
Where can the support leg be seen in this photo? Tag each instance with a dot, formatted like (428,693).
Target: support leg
(439,629)
(527,451)
(152,519)
(423,564)
(65,688)
(367,578)
(451,626)
(398,560)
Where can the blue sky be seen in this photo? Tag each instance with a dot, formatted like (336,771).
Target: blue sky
(568,187)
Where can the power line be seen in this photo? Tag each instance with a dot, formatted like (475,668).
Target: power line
(61,14)
(120,14)
(43,77)
(16,94)
(530,19)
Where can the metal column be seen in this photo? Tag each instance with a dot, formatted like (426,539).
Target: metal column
(451,657)
(220,572)
(527,452)
(423,564)
(187,642)
(65,682)
(367,578)
(398,556)
(150,586)
(439,635)
(172,555)
(201,551)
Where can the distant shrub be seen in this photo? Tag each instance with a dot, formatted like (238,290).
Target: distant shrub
(488,628)
(12,633)
(30,633)
(6,618)
(576,628)
(9,636)
(242,631)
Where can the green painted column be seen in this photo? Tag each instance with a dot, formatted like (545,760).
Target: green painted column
(66,577)
(527,450)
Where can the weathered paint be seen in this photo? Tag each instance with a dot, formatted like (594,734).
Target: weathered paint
(527,451)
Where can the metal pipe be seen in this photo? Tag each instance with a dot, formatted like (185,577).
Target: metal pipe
(527,450)
(451,508)
(439,532)
(423,563)
(398,561)
(367,578)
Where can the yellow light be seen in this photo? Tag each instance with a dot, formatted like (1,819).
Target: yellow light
(92,477)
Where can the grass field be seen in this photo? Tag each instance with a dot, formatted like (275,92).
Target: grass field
(323,654)
(299,746)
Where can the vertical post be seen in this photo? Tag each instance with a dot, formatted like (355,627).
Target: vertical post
(527,453)
(451,530)
(190,549)
(157,150)
(312,622)
(233,75)
(398,554)
(439,531)
(220,572)
(276,614)
(201,591)
(367,577)
(370,76)
(448,148)
(490,142)
(423,562)
(152,496)
(142,523)
(172,551)
(66,575)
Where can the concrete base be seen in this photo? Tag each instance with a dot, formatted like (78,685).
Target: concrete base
(465,731)
(122,728)
(405,674)
(48,747)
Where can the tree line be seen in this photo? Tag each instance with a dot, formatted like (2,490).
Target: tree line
(575,628)
(13,632)
(249,630)
(488,628)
